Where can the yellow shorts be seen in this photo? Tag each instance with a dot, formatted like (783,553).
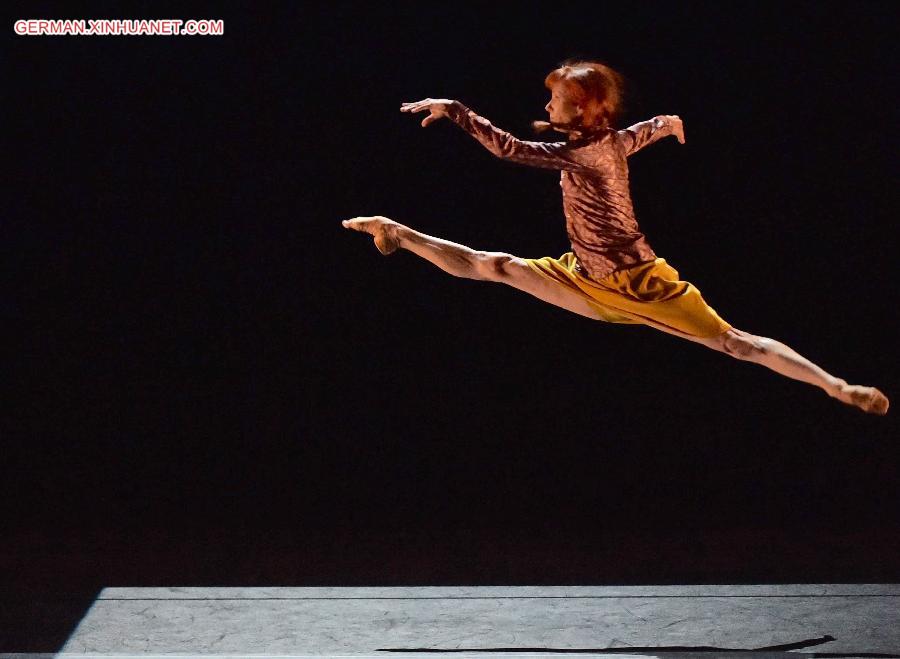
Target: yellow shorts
(647,291)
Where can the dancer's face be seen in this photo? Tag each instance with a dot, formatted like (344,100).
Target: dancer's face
(562,108)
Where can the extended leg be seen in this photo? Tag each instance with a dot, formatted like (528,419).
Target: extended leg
(786,361)
(462,261)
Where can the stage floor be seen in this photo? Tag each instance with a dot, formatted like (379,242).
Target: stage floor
(503,621)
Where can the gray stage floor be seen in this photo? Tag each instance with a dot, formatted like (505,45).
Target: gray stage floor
(590,621)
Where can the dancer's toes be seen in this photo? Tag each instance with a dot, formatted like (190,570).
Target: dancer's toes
(383,229)
(868,399)
(877,402)
(359,224)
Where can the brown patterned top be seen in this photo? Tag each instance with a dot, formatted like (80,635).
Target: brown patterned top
(600,219)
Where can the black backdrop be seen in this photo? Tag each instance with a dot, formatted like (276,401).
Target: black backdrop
(207,367)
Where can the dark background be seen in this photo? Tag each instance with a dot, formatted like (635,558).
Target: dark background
(212,382)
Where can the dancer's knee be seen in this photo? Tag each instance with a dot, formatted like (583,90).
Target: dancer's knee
(493,266)
(743,345)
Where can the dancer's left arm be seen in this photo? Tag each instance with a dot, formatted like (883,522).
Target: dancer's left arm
(550,155)
(636,137)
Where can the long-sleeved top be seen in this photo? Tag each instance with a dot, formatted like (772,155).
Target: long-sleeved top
(600,221)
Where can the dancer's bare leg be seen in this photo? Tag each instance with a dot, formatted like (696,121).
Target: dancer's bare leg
(786,361)
(462,261)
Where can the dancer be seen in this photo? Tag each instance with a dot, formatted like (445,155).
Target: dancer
(611,274)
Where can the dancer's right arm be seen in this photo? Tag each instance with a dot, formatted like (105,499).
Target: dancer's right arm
(572,156)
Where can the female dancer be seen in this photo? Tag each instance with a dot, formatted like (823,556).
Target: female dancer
(611,274)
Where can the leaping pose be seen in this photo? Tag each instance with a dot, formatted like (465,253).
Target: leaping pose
(611,274)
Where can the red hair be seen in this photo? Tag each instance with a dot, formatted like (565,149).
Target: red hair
(597,87)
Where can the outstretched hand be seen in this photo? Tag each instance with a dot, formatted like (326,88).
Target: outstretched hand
(677,126)
(437,106)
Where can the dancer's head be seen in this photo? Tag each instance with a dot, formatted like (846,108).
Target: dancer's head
(585,95)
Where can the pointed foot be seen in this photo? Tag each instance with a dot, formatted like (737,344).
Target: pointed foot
(382,229)
(868,399)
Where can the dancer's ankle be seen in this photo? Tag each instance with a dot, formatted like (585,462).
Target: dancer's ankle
(836,387)
(402,234)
